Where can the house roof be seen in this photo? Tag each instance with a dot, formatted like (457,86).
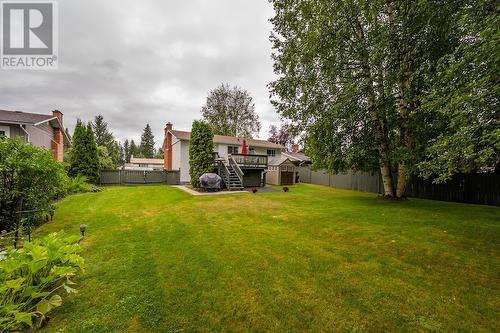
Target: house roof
(20,117)
(34,119)
(301,157)
(278,161)
(230,140)
(137,160)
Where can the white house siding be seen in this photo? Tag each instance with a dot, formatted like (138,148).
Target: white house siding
(41,135)
(176,154)
(184,161)
(180,155)
(221,148)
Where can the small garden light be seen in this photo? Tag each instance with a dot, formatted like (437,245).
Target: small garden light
(82,229)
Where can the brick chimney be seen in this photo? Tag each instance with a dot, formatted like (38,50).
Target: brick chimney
(58,140)
(167,147)
(295,148)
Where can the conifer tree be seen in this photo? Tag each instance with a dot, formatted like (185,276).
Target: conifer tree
(201,148)
(84,159)
(147,142)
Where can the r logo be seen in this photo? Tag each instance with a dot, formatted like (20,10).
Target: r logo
(27,28)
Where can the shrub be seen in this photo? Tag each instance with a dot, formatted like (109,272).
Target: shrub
(286,189)
(77,184)
(32,280)
(29,179)
(254,190)
(201,147)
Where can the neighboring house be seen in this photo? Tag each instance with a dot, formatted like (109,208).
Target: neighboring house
(42,130)
(281,171)
(297,156)
(144,164)
(228,160)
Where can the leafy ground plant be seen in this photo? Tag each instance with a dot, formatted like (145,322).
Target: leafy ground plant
(32,279)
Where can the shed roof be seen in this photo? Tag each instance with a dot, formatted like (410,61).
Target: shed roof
(301,157)
(230,140)
(275,161)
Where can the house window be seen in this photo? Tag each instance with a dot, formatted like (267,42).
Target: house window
(251,150)
(232,149)
(5,131)
(142,165)
(271,152)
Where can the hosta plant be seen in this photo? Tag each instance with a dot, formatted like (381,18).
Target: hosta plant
(33,279)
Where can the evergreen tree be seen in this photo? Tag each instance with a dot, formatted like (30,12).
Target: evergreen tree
(134,150)
(159,153)
(147,142)
(121,149)
(84,158)
(93,157)
(201,148)
(77,153)
(126,151)
(105,138)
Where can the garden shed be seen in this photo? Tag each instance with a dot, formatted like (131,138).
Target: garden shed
(280,171)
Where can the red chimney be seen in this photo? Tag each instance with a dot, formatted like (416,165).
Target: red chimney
(59,115)
(167,147)
(58,140)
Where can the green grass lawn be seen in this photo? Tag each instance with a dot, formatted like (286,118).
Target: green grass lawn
(313,259)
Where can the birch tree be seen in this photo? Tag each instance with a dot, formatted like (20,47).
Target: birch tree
(352,74)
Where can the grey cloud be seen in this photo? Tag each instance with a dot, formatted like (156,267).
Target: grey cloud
(138,62)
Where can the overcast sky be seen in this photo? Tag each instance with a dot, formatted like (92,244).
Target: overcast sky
(138,62)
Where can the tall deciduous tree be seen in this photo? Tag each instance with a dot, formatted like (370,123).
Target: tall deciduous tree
(201,146)
(352,73)
(284,135)
(147,142)
(465,98)
(231,111)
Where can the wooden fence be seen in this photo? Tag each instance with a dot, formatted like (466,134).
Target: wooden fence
(359,181)
(135,177)
(481,189)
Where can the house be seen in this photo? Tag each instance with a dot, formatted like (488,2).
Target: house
(297,156)
(42,130)
(144,164)
(236,169)
(281,171)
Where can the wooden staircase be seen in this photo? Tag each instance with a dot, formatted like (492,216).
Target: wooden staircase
(233,181)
